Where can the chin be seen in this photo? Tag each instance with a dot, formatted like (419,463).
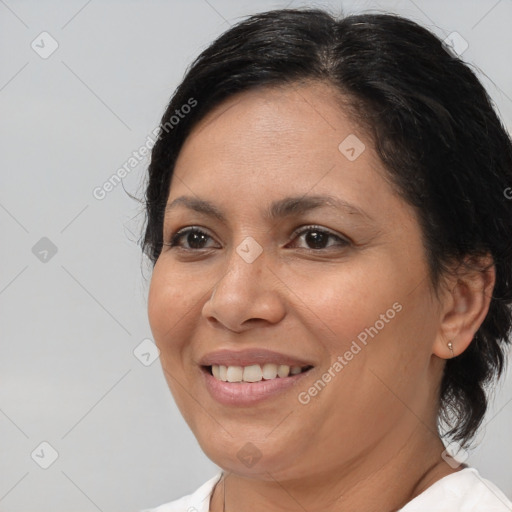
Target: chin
(251,456)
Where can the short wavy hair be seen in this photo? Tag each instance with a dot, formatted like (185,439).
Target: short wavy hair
(433,126)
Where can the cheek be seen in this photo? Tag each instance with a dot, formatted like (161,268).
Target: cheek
(341,304)
(370,319)
(171,299)
(160,315)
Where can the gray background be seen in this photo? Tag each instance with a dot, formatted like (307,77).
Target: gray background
(70,323)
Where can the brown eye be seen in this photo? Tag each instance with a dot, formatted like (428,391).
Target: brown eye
(315,237)
(195,238)
(318,238)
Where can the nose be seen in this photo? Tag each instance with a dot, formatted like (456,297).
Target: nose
(247,294)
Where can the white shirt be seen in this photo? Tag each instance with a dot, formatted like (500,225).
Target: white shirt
(463,491)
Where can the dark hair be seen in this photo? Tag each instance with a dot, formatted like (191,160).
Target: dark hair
(432,124)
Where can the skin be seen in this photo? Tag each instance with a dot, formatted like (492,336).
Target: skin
(368,440)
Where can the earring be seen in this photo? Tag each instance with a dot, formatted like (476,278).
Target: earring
(450,346)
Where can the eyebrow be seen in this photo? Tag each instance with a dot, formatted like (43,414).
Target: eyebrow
(278,209)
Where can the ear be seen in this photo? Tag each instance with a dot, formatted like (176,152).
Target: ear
(464,304)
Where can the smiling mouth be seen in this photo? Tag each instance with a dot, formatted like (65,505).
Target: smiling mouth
(254,372)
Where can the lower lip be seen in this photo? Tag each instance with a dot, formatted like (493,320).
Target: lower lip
(249,393)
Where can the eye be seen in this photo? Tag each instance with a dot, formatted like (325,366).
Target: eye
(194,237)
(318,237)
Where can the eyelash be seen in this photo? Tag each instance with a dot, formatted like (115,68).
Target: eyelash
(176,237)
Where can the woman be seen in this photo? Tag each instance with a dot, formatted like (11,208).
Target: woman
(331,240)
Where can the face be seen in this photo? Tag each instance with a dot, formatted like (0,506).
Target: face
(332,284)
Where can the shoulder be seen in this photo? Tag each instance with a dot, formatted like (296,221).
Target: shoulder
(463,491)
(198,501)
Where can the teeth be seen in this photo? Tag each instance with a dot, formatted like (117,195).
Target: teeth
(269,371)
(253,373)
(234,374)
(283,370)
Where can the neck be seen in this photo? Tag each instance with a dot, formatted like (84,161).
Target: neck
(379,481)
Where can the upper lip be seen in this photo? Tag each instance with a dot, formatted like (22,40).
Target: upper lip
(248,357)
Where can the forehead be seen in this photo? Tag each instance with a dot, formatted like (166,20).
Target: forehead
(277,141)
(278,115)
